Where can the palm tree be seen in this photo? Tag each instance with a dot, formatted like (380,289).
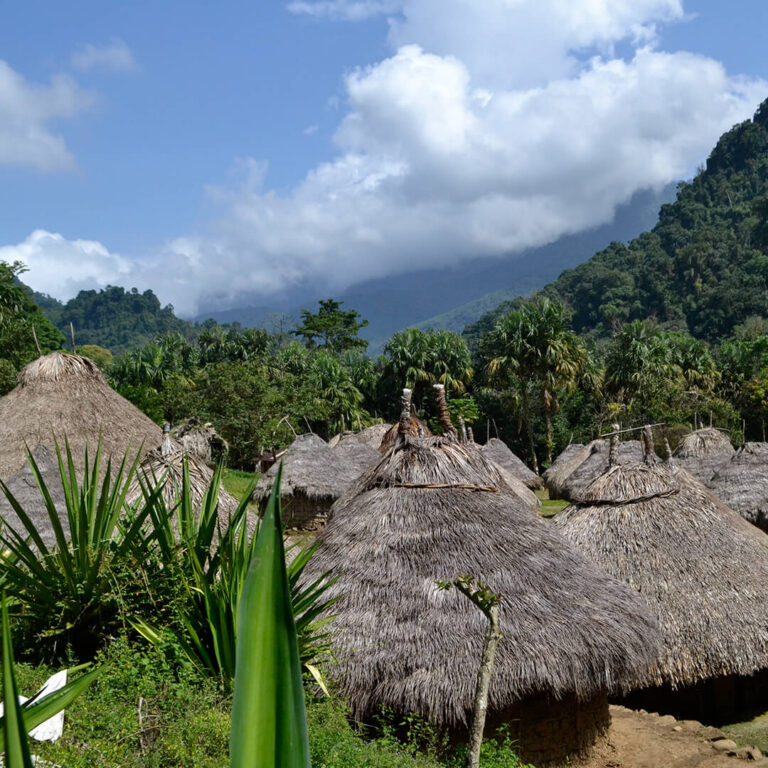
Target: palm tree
(533,349)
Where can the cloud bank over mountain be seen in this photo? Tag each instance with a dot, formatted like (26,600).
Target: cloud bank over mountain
(490,128)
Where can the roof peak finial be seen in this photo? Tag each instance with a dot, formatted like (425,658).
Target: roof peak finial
(613,451)
(443,415)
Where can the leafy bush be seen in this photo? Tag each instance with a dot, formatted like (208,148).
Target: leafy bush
(67,595)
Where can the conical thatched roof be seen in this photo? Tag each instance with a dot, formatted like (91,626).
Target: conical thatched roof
(697,566)
(431,510)
(514,485)
(354,455)
(703,452)
(310,468)
(23,485)
(158,466)
(595,464)
(742,483)
(67,395)
(497,451)
(571,457)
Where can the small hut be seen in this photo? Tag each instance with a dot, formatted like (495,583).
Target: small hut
(431,509)
(497,451)
(742,483)
(24,488)
(569,459)
(67,395)
(312,480)
(656,528)
(703,452)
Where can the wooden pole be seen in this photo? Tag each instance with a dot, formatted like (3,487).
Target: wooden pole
(72,335)
(37,343)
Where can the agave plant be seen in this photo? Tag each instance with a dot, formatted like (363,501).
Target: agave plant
(213,559)
(66,594)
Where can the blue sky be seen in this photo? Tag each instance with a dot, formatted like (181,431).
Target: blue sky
(222,153)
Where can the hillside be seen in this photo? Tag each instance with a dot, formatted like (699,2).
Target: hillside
(114,318)
(459,294)
(704,266)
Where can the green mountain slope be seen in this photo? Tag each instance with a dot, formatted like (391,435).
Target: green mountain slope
(702,268)
(114,318)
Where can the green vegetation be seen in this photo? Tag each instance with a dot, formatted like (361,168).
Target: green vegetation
(113,318)
(23,327)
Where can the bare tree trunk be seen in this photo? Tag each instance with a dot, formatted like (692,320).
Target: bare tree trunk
(529,430)
(480,707)
(550,435)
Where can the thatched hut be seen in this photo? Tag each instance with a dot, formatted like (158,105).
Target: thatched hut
(354,454)
(497,451)
(431,509)
(742,483)
(697,566)
(558,472)
(24,488)
(67,395)
(703,452)
(312,480)
(594,464)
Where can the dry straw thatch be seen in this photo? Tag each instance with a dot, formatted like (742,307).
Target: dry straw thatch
(703,452)
(431,509)
(497,451)
(694,562)
(312,480)
(354,455)
(67,395)
(168,467)
(742,483)
(200,440)
(417,428)
(23,486)
(556,475)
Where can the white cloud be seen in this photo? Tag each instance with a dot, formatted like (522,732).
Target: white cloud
(310,130)
(346,10)
(25,111)
(114,56)
(463,147)
(62,267)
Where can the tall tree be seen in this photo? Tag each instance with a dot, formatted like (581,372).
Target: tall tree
(331,327)
(535,347)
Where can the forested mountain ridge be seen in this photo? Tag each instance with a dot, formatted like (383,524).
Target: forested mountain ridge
(113,317)
(703,268)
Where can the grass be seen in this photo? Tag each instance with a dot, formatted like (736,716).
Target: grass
(549,507)
(146,711)
(237,482)
(751,732)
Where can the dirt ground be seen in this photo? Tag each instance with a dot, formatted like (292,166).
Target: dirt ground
(643,740)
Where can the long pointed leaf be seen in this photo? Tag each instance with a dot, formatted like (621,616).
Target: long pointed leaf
(14,731)
(269,720)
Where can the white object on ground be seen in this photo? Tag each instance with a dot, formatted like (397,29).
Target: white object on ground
(53,727)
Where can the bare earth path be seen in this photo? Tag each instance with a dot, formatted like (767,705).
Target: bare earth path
(642,740)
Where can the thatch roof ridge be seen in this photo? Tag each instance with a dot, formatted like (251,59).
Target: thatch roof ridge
(429,510)
(594,465)
(309,467)
(67,395)
(499,452)
(664,534)
(742,483)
